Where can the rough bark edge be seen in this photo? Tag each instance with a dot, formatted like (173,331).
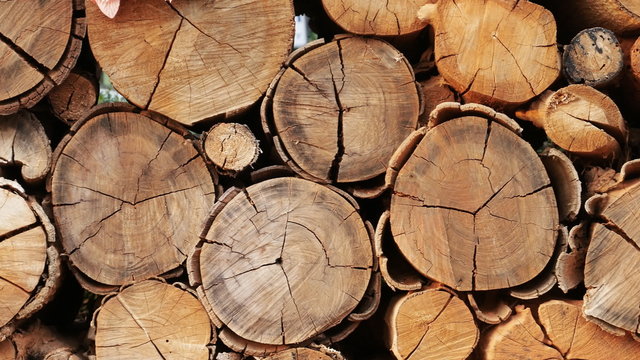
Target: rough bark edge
(59,72)
(91,335)
(50,279)
(570,266)
(451,110)
(565,182)
(502,306)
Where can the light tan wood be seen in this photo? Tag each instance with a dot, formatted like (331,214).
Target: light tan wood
(434,92)
(582,121)
(506,56)
(192,60)
(152,320)
(570,265)
(130,196)
(491,307)
(23,142)
(74,97)
(430,324)
(613,289)
(593,57)
(557,331)
(38,47)
(231,147)
(451,110)
(377,17)
(565,181)
(299,354)
(340,109)
(29,263)
(473,207)
(282,261)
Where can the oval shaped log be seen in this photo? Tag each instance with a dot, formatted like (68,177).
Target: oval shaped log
(593,58)
(430,324)
(505,57)
(192,60)
(473,207)
(29,261)
(557,331)
(23,142)
(74,97)
(338,117)
(38,47)
(152,320)
(231,147)
(379,18)
(130,196)
(283,260)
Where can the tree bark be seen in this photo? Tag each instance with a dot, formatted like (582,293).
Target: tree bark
(38,47)
(130,194)
(193,60)
(594,58)
(74,97)
(23,142)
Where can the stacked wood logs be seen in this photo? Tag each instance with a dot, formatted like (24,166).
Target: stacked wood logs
(434,179)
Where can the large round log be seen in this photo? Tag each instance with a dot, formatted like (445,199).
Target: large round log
(130,196)
(282,261)
(192,60)
(40,41)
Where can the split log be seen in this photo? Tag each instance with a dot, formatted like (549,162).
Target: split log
(472,205)
(430,324)
(323,126)
(594,58)
(379,18)
(231,147)
(152,320)
(29,261)
(23,142)
(505,57)
(491,307)
(43,342)
(434,92)
(556,331)
(74,97)
(620,16)
(192,60)
(261,247)
(565,181)
(580,120)
(130,193)
(38,47)
(570,266)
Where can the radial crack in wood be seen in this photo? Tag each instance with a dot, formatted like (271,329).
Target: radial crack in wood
(296,251)
(23,142)
(74,97)
(471,203)
(213,45)
(132,207)
(231,147)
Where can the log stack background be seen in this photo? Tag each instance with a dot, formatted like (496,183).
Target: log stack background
(425,180)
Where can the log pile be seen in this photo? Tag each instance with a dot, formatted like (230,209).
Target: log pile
(434,179)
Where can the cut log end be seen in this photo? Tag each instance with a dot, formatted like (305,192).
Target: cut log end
(74,97)
(594,58)
(231,147)
(290,242)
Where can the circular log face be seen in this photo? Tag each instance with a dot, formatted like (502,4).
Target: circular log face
(23,244)
(376,17)
(231,147)
(130,197)
(152,320)
(593,57)
(192,60)
(341,109)
(506,56)
(285,260)
(473,207)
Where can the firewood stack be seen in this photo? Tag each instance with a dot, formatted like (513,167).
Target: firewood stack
(433,179)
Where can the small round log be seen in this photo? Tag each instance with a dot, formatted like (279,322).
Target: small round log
(38,47)
(504,58)
(473,207)
(281,262)
(322,122)
(23,142)
(593,57)
(231,147)
(74,97)
(130,196)
(435,91)
(379,18)
(29,261)
(430,324)
(152,320)
(192,60)
(557,331)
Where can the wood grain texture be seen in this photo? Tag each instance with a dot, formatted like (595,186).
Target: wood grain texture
(192,60)
(231,147)
(594,58)
(471,203)
(284,260)
(23,142)
(152,320)
(129,196)
(74,97)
